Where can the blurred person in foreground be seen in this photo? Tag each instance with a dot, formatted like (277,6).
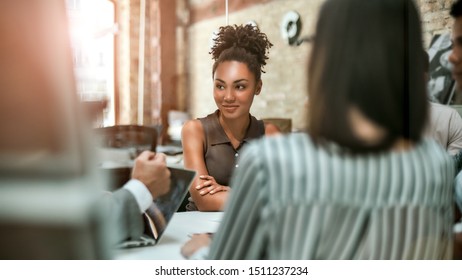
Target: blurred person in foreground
(49,176)
(363,183)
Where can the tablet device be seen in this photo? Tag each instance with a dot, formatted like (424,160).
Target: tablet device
(159,214)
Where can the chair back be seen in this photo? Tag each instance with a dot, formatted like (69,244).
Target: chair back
(128,136)
(120,144)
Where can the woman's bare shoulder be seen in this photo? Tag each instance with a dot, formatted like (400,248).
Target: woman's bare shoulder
(192,127)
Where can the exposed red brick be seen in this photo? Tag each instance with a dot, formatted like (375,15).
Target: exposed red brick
(214,8)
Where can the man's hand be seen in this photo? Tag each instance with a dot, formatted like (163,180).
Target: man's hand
(151,169)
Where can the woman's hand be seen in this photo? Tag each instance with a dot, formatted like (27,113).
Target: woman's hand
(208,185)
(196,242)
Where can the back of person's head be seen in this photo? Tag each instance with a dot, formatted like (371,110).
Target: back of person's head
(426,60)
(242,43)
(367,55)
(456,9)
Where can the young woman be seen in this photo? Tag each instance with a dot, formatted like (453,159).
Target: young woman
(211,145)
(363,184)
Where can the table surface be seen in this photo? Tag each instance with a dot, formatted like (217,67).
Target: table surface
(120,157)
(178,231)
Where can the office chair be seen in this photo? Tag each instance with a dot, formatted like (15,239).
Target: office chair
(119,144)
(128,136)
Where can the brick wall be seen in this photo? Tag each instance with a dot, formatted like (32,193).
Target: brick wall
(435,17)
(284,85)
(159,65)
(283,92)
(123,71)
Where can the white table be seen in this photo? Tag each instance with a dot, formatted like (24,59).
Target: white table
(118,157)
(178,231)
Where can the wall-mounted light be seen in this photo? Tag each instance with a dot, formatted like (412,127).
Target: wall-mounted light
(291,25)
(253,23)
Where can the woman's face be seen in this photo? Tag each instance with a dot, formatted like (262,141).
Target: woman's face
(234,89)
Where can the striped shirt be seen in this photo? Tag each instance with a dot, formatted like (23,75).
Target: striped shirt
(293,200)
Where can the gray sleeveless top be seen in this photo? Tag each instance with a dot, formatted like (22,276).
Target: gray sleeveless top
(219,154)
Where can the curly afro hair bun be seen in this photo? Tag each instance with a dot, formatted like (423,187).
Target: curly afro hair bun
(244,43)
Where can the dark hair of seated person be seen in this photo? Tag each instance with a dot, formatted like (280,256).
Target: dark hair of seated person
(393,95)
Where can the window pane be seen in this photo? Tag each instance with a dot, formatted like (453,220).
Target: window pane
(92,29)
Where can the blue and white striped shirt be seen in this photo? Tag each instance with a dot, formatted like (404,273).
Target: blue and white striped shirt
(294,200)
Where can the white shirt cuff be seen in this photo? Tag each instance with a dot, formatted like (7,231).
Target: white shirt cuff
(141,193)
